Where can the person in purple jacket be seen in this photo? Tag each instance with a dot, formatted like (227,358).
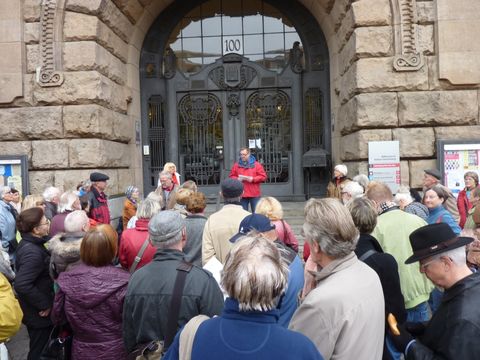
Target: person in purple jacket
(90,298)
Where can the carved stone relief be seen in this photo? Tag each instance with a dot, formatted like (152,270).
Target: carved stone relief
(232,76)
(48,74)
(407,57)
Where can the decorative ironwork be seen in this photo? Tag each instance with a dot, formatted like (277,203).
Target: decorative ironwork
(170,63)
(47,75)
(157,134)
(201,137)
(232,76)
(233,105)
(407,57)
(296,57)
(269,127)
(313,133)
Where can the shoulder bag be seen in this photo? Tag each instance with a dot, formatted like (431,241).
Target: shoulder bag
(139,256)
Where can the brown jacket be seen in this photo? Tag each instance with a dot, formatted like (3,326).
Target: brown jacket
(168,200)
(335,190)
(129,210)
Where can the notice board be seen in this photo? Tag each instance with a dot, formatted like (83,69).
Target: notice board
(384,163)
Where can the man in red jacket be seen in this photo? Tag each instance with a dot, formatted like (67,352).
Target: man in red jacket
(252,174)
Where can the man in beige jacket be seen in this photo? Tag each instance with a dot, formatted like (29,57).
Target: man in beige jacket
(344,315)
(223,224)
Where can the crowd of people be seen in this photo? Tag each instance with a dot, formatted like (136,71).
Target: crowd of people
(170,280)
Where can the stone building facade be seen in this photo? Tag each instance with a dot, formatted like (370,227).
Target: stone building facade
(71,94)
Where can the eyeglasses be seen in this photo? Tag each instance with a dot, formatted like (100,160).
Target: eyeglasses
(424,266)
(243,154)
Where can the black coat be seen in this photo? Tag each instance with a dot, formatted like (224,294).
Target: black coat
(454,330)
(32,282)
(386,268)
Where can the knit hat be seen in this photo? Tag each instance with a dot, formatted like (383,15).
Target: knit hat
(165,225)
(130,190)
(231,188)
(341,169)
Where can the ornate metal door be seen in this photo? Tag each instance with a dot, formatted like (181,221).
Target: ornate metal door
(231,104)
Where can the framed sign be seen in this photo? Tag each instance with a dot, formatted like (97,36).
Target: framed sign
(384,163)
(455,158)
(14,172)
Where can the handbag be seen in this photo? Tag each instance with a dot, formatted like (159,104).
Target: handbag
(155,349)
(59,345)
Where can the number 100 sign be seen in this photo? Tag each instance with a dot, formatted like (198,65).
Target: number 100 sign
(232,44)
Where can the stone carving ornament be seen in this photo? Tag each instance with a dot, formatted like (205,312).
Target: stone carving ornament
(232,76)
(200,109)
(407,57)
(47,74)
(296,56)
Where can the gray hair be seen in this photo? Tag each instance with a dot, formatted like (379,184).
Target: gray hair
(403,193)
(148,208)
(67,200)
(255,274)
(165,173)
(50,192)
(3,190)
(458,255)
(363,214)
(75,221)
(166,229)
(362,179)
(354,189)
(330,225)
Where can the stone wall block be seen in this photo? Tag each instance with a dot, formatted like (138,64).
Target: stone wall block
(133,9)
(355,146)
(50,154)
(426,43)
(356,168)
(369,110)
(31,33)
(81,27)
(371,12)
(125,179)
(40,180)
(84,6)
(31,10)
(123,127)
(69,179)
(145,2)
(17,148)
(88,55)
(404,173)
(457,132)
(85,87)
(378,75)
(338,12)
(438,108)
(98,153)
(34,59)
(417,168)
(415,142)
(425,12)
(31,123)
(345,31)
(116,20)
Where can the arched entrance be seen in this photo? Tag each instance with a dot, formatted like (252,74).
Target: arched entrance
(217,75)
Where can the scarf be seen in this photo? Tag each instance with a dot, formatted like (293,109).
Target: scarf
(249,164)
(387,206)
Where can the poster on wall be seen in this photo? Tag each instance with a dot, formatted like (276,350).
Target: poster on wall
(455,159)
(384,163)
(14,173)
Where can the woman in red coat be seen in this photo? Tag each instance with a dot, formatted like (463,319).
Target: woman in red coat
(251,173)
(463,202)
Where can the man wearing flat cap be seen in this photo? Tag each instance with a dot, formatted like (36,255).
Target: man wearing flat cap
(97,199)
(432,177)
(223,224)
(150,290)
(454,329)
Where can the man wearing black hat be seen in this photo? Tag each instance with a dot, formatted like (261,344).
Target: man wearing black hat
(432,177)
(454,329)
(98,200)
(223,224)
(289,302)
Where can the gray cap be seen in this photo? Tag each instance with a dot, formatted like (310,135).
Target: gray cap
(165,225)
(434,172)
(231,188)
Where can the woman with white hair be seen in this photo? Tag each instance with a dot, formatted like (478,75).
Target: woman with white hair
(407,203)
(340,179)
(344,314)
(254,277)
(69,202)
(51,195)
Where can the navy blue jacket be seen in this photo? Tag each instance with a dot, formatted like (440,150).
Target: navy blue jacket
(237,335)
